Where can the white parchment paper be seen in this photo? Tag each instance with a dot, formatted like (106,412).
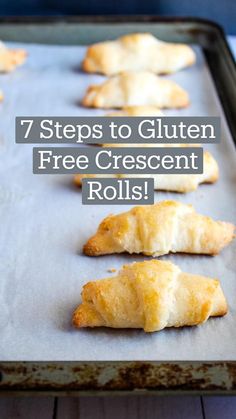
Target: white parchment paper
(43,227)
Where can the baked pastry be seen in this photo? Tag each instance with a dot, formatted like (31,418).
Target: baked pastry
(182,183)
(10,58)
(168,226)
(136,89)
(137,52)
(150,295)
(142,111)
(137,111)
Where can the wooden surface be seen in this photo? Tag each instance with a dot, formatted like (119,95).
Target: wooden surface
(120,407)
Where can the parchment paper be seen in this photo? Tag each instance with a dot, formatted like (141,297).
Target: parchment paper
(44,225)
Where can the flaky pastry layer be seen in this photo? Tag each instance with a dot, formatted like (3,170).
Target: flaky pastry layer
(137,52)
(136,89)
(168,226)
(181,183)
(10,58)
(150,295)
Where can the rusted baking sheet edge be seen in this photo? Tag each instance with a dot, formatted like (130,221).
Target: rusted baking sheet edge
(118,376)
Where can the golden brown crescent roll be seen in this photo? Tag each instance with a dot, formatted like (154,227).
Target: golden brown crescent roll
(142,111)
(137,111)
(10,58)
(182,183)
(137,52)
(168,226)
(150,295)
(136,89)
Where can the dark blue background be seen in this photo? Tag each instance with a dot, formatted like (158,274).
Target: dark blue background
(222,11)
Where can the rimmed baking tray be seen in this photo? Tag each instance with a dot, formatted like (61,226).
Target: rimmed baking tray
(95,373)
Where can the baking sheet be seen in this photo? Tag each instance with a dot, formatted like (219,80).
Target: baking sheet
(44,226)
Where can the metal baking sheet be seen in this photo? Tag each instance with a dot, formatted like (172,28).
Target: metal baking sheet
(44,227)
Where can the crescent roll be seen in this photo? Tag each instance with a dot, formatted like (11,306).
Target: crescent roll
(136,89)
(137,52)
(137,111)
(142,111)
(182,183)
(150,295)
(10,58)
(168,226)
